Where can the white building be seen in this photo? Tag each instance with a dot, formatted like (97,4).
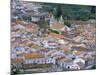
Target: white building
(35,19)
(40,61)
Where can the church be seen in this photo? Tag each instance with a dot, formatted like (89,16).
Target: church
(57,25)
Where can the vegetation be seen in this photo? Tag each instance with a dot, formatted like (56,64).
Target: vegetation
(42,23)
(57,11)
(71,12)
(54,31)
(93,67)
(15,70)
(67,23)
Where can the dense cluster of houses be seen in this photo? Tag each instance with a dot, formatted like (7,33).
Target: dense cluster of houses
(31,48)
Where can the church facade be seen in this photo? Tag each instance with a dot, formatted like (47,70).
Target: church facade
(57,25)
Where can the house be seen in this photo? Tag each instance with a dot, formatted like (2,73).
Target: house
(44,51)
(19,26)
(58,36)
(89,61)
(80,62)
(64,48)
(21,49)
(67,64)
(35,19)
(49,44)
(61,41)
(17,62)
(52,45)
(91,21)
(74,66)
(50,52)
(53,53)
(58,54)
(36,58)
(80,48)
(13,55)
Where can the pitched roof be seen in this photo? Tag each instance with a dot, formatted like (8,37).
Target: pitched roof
(65,59)
(57,25)
(81,48)
(32,55)
(16,60)
(50,52)
(56,35)
(64,48)
(18,21)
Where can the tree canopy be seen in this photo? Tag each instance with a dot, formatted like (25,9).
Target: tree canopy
(75,12)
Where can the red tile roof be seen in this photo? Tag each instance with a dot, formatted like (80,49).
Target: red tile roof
(56,35)
(32,55)
(58,26)
(16,60)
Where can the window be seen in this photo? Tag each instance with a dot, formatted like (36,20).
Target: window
(68,67)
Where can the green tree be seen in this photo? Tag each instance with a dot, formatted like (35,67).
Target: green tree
(57,11)
(42,23)
(67,23)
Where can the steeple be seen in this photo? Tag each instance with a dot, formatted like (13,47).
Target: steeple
(61,20)
(52,20)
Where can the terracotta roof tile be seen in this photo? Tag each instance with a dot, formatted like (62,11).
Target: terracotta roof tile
(65,59)
(56,35)
(58,26)
(16,60)
(32,55)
